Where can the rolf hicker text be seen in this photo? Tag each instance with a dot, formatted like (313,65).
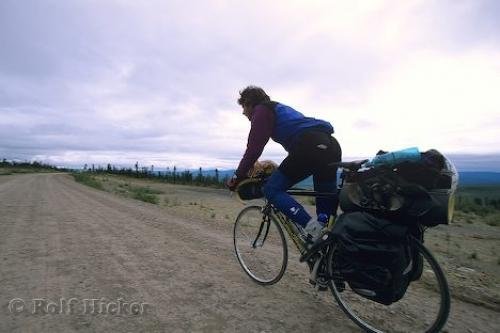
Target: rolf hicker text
(68,306)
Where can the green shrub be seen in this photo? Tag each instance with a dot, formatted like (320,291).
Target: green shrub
(493,220)
(151,198)
(88,180)
(145,194)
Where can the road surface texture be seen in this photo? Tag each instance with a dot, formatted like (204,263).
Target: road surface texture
(75,259)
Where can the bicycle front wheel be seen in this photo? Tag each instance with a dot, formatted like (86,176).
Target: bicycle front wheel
(260,246)
(424,307)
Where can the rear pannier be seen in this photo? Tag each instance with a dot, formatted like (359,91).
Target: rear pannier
(410,189)
(374,256)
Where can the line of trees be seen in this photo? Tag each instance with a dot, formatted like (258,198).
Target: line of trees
(28,165)
(478,205)
(173,175)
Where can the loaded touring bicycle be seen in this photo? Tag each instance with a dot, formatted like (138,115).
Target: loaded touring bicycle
(371,256)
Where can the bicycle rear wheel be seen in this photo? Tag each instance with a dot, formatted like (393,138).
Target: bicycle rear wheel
(424,307)
(260,246)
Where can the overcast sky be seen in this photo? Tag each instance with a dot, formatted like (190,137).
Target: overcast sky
(157,81)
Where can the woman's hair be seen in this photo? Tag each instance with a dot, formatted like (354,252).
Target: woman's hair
(253,96)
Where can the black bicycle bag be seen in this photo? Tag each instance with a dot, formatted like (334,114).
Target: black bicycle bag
(410,192)
(373,256)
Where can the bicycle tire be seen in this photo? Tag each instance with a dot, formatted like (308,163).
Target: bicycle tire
(407,307)
(260,247)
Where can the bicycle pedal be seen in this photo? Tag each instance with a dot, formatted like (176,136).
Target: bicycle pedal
(319,286)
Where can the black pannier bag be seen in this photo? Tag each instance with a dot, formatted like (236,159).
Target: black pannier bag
(417,191)
(373,256)
(417,258)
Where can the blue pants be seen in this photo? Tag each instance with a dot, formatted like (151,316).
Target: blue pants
(311,155)
(275,191)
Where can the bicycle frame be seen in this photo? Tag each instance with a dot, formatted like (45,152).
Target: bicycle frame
(269,211)
(288,225)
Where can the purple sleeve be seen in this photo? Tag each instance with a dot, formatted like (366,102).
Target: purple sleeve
(260,132)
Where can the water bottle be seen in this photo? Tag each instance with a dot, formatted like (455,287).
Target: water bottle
(409,154)
(323,218)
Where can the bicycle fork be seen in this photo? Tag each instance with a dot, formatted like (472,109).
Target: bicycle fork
(263,229)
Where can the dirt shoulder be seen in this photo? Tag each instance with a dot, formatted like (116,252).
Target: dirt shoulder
(60,239)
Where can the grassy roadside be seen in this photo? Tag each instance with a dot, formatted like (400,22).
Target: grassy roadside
(88,180)
(188,201)
(142,193)
(146,194)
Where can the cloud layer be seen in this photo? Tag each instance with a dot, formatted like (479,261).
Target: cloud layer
(120,81)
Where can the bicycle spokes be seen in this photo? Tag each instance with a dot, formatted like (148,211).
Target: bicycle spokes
(260,246)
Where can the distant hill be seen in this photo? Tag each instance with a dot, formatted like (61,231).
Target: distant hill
(476,163)
(479,178)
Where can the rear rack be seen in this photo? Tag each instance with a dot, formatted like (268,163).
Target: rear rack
(351,166)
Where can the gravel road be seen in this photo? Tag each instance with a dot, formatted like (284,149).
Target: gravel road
(75,259)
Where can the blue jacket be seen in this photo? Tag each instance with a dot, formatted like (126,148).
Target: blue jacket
(289,124)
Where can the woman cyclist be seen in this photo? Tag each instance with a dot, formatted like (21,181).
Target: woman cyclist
(310,146)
